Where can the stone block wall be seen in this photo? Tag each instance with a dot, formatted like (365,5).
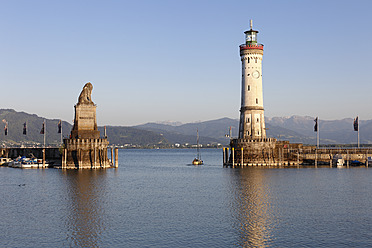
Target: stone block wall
(265,152)
(85,154)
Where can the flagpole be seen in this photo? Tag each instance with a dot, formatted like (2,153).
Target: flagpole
(61,132)
(317,132)
(358,131)
(44,132)
(317,138)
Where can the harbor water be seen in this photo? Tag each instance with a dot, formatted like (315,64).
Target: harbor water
(156,198)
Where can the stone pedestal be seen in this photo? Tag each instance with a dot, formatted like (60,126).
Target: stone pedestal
(85,124)
(85,154)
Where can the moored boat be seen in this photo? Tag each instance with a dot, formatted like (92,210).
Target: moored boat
(338,161)
(4,161)
(28,163)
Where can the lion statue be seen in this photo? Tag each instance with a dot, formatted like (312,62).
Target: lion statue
(86,94)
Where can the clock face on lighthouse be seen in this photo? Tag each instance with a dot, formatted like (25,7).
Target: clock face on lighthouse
(256,74)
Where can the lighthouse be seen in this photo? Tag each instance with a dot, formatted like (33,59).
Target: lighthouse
(252,121)
(252,147)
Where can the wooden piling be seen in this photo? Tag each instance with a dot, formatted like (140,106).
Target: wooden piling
(242,159)
(233,157)
(223,156)
(116,157)
(64,164)
(367,159)
(112,156)
(43,157)
(226,156)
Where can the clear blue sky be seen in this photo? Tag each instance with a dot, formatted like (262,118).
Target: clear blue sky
(179,60)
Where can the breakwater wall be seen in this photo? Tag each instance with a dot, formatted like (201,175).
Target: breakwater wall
(327,154)
(50,153)
(285,154)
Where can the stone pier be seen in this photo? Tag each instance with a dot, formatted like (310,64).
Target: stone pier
(270,152)
(262,152)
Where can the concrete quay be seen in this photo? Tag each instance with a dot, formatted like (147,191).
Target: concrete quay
(283,154)
(325,155)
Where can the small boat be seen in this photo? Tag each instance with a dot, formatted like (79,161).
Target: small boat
(15,163)
(4,161)
(369,160)
(197,160)
(28,163)
(338,161)
(356,163)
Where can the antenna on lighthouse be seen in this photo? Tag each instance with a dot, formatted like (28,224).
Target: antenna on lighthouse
(251,25)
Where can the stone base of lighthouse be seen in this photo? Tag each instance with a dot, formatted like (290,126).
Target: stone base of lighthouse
(85,154)
(262,152)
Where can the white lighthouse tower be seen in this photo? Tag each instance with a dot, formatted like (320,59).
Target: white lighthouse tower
(252,147)
(252,121)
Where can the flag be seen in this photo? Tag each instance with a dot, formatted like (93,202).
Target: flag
(316,125)
(6,127)
(356,124)
(42,131)
(25,128)
(60,126)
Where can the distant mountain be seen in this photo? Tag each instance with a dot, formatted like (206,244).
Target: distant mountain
(213,131)
(116,135)
(34,124)
(171,123)
(330,131)
(296,129)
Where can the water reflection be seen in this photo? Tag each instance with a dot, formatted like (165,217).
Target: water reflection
(84,220)
(252,207)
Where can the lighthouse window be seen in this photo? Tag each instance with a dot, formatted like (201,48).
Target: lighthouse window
(249,88)
(248,60)
(258,132)
(256,100)
(255,60)
(258,120)
(247,132)
(247,119)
